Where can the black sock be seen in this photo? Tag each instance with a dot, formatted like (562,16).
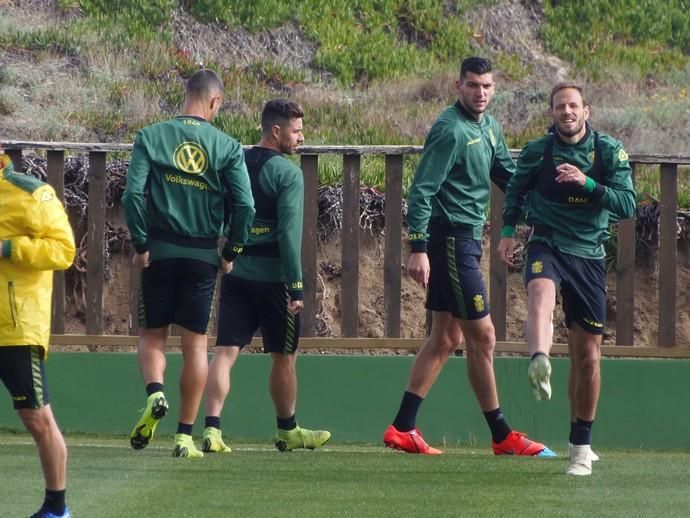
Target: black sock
(572,432)
(213,421)
(497,424)
(154,387)
(537,354)
(582,434)
(286,423)
(54,502)
(407,414)
(185,428)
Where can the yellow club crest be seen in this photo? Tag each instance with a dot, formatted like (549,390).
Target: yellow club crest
(537,267)
(478,300)
(190,158)
(492,137)
(622,155)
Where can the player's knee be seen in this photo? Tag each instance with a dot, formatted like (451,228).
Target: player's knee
(447,343)
(37,421)
(483,341)
(588,356)
(487,338)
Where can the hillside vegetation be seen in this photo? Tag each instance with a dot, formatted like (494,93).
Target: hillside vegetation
(367,71)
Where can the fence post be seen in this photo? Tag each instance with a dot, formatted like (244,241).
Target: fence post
(16,157)
(56,178)
(310,171)
(625,280)
(349,294)
(668,226)
(95,244)
(497,269)
(392,253)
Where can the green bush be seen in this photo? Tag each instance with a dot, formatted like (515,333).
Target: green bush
(640,36)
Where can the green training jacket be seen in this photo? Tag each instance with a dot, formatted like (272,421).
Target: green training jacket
(186,181)
(273,251)
(572,218)
(452,183)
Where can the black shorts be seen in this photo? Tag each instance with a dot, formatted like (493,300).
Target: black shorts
(177,291)
(582,283)
(455,281)
(246,306)
(22,371)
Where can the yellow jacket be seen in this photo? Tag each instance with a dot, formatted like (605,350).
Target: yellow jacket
(35,239)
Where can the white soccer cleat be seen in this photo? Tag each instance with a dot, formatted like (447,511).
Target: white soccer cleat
(539,374)
(580,462)
(592,455)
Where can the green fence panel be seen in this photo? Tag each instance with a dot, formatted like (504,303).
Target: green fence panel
(643,402)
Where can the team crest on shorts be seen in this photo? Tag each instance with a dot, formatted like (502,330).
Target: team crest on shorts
(478,300)
(537,267)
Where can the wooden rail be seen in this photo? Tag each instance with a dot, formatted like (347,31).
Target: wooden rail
(392,271)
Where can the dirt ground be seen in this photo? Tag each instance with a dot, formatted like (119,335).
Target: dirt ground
(371,323)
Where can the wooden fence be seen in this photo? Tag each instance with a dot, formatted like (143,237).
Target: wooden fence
(392,269)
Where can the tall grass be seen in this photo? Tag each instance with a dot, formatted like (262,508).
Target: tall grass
(640,36)
(362,40)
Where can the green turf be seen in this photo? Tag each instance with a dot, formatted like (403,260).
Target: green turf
(108,479)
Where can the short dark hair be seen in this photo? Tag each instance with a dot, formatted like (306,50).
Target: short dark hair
(279,111)
(475,65)
(203,84)
(564,86)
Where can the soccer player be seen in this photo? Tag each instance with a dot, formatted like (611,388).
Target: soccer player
(186,180)
(264,289)
(578,181)
(464,151)
(35,239)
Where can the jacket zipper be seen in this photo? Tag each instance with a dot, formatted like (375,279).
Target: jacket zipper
(13,302)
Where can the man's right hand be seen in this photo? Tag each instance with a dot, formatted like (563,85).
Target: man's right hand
(418,267)
(506,249)
(141,260)
(295,306)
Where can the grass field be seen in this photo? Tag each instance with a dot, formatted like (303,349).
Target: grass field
(109,480)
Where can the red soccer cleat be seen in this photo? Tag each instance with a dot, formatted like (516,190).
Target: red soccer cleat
(410,442)
(518,444)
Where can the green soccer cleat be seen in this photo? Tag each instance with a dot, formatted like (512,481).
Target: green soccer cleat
(539,374)
(213,441)
(287,440)
(185,447)
(156,408)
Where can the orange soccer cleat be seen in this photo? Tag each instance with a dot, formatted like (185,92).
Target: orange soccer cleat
(410,442)
(518,444)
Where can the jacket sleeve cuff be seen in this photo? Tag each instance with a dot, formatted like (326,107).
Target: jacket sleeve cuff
(231,251)
(418,247)
(295,290)
(296,294)
(6,249)
(589,185)
(141,249)
(598,191)
(508,231)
